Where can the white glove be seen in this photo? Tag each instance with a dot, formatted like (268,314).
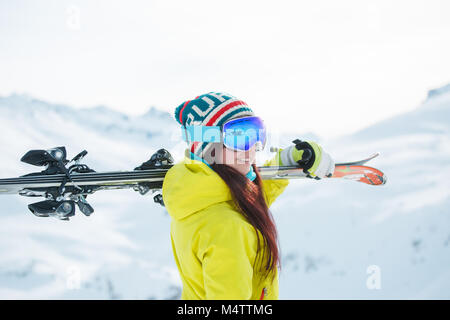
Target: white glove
(309,156)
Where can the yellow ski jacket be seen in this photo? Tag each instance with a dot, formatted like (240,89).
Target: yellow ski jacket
(213,244)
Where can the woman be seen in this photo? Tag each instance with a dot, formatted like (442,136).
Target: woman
(223,236)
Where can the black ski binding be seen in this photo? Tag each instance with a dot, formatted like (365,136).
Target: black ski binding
(160,159)
(60,201)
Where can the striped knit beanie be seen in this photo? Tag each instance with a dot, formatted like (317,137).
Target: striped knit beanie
(210,109)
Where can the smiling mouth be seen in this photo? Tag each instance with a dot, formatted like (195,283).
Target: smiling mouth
(243,160)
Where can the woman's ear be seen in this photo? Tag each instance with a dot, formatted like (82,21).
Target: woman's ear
(214,153)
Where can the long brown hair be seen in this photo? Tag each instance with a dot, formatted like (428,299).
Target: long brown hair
(249,198)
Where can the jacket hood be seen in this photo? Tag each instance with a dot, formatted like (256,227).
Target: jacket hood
(190,186)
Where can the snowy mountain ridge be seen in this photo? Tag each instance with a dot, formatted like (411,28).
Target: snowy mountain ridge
(431,116)
(100,118)
(444,90)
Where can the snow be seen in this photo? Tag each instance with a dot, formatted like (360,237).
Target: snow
(332,232)
(445,90)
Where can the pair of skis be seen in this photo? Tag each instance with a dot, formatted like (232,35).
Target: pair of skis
(67,187)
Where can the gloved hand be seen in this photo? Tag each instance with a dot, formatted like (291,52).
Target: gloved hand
(315,162)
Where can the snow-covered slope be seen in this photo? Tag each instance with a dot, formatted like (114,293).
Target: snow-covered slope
(122,250)
(331,231)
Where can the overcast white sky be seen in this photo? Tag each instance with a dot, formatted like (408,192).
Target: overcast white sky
(331,67)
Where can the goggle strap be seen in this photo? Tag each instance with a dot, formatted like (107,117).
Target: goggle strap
(201,134)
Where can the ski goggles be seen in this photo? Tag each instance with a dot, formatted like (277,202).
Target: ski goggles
(239,134)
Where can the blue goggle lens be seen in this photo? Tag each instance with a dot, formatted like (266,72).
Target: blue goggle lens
(243,133)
